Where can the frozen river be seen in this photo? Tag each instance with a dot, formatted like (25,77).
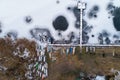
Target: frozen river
(60,17)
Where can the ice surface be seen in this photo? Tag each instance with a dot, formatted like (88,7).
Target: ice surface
(42,13)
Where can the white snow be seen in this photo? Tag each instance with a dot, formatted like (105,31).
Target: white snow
(102,22)
(2,68)
(100,78)
(43,12)
(25,53)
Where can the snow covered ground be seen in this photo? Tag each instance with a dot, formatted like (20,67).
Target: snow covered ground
(43,13)
(102,22)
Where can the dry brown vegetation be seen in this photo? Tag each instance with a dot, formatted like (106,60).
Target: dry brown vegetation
(16,66)
(66,67)
(30,45)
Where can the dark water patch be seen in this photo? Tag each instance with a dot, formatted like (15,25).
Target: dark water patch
(0,30)
(87,29)
(116,36)
(116,22)
(109,17)
(85,37)
(92,35)
(107,40)
(96,8)
(76,12)
(110,6)
(71,36)
(84,33)
(117,42)
(100,38)
(69,8)
(111,12)
(77,24)
(116,18)
(84,23)
(60,23)
(37,33)
(59,33)
(90,14)
(85,26)
(93,12)
(12,34)
(51,40)
(95,16)
(105,33)
(116,12)
(28,19)
(57,1)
